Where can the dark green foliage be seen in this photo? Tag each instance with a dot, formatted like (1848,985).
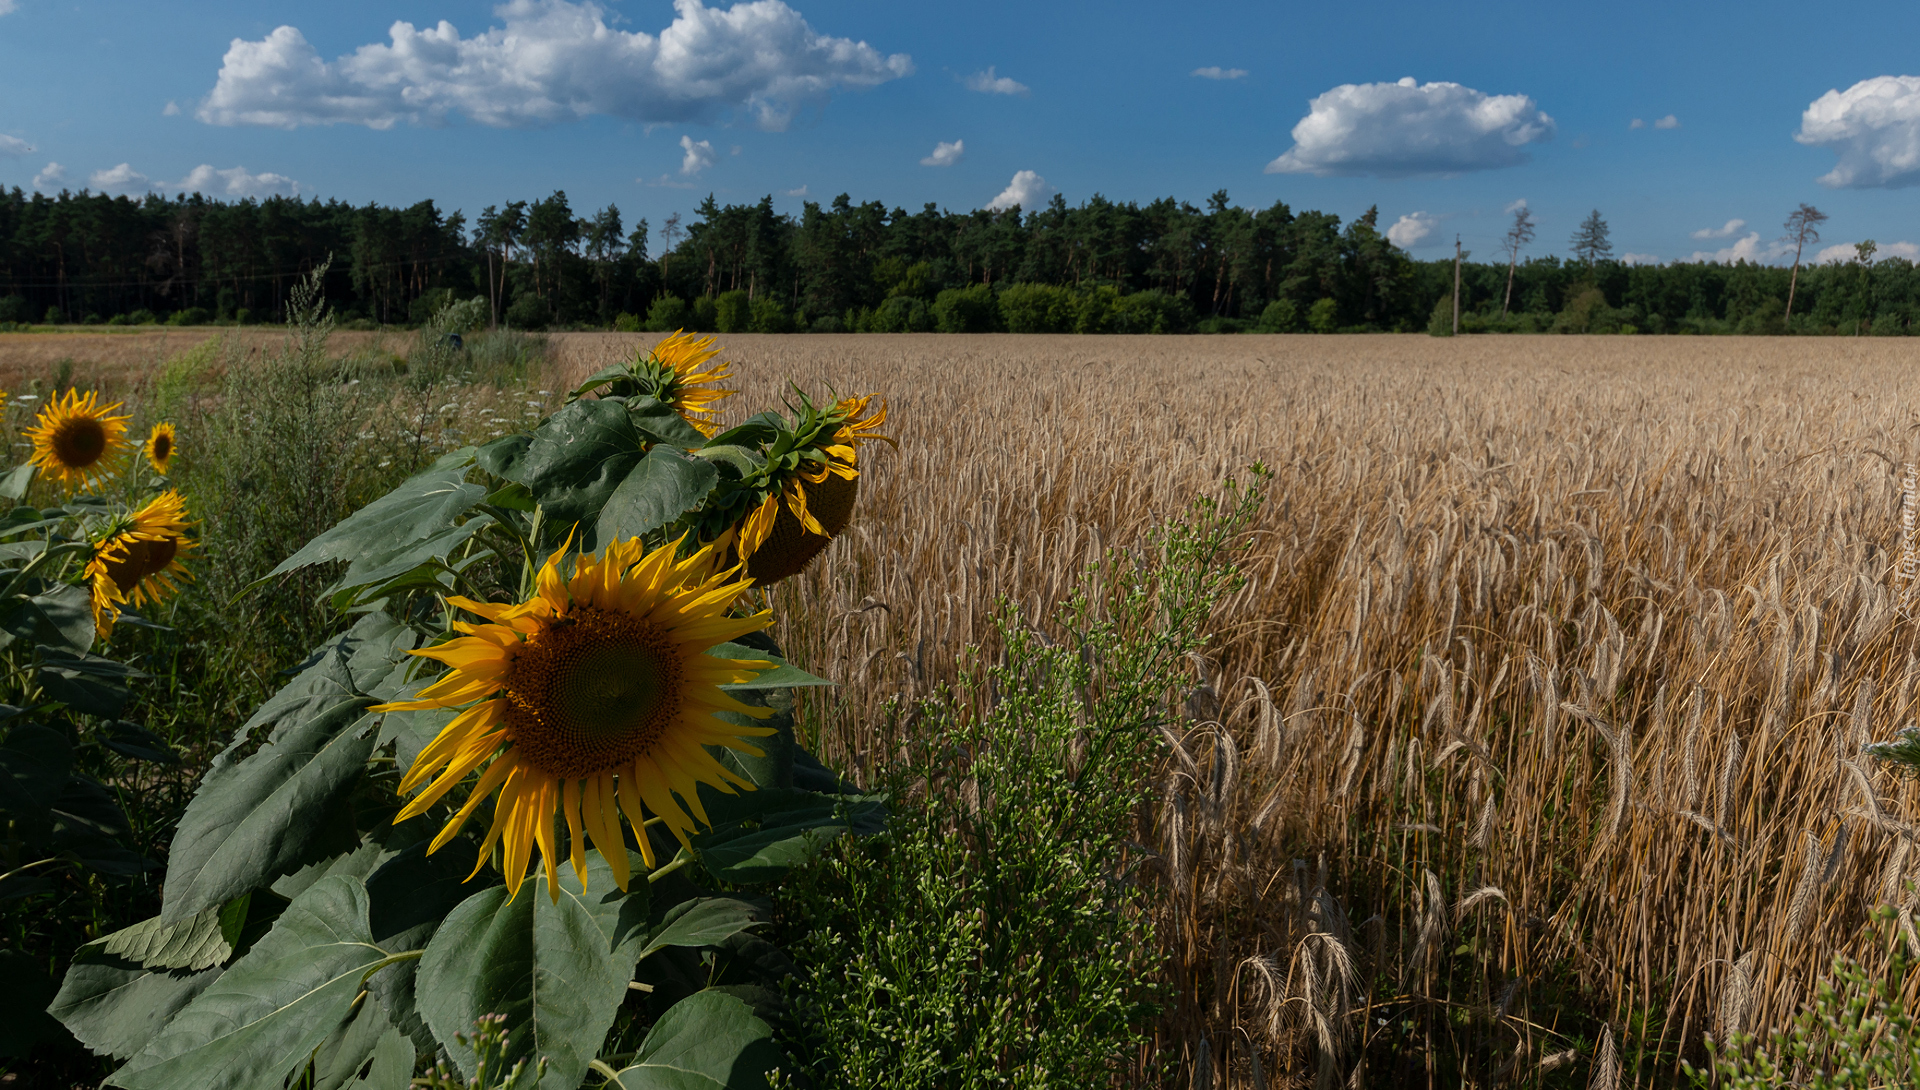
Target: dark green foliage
(996,930)
(967,310)
(667,314)
(733,312)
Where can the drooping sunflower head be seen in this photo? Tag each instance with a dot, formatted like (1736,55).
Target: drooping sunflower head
(592,699)
(671,372)
(808,491)
(137,558)
(75,437)
(160,447)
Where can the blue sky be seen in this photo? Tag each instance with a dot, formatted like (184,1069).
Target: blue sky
(650,106)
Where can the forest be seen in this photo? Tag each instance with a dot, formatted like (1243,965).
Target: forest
(1101,266)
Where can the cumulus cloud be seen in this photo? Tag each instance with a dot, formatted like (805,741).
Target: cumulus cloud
(171,109)
(1637,123)
(1409,230)
(1407,128)
(1667,122)
(1749,248)
(234,182)
(1639,259)
(801,193)
(52,175)
(1028,190)
(8,7)
(14,147)
(698,155)
(1844,251)
(1731,229)
(1874,129)
(1214,71)
(989,84)
(945,154)
(119,179)
(552,61)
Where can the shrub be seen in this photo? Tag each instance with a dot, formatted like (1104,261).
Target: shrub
(1093,310)
(1153,311)
(706,318)
(528,311)
(770,317)
(56,316)
(13,309)
(1037,308)
(1440,321)
(902,314)
(1280,316)
(142,316)
(626,323)
(733,312)
(1324,316)
(668,313)
(827,323)
(190,316)
(966,310)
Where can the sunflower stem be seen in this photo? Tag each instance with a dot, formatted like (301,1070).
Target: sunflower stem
(679,861)
(390,959)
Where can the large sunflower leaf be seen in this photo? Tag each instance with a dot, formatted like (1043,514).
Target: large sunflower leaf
(783,675)
(197,942)
(423,505)
(114,1006)
(664,485)
(271,1008)
(578,457)
(378,564)
(707,1041)
(545,965)
(706,921)
(760,835)
(255,819)
(339,1059)
(663,423)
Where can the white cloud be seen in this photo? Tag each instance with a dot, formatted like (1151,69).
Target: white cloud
(1214,71)
(699,155)
(990,84)
(552,61)
(1405,128)
(54,174)
(1874,128)
(1637,123)
(119,179)
(1731,229)
(945,154)
(801,192)
(234,182)
(1844,251)
(172,109)
(13,146)
(1639,259)
(1409,230)
(1515,206)
(8,7)
(1667,122)
(1028,190)
(1749,248)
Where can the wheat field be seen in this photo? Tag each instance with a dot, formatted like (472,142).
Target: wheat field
(1530,751)
(1534,739)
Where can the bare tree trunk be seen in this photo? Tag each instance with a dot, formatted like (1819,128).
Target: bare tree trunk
(1793,282)
(1504,303)
(1456,285)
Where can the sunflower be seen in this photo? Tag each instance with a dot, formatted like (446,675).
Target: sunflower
(671,373)
(814,503)
(594,697)
(159,449)
(136,559)
(73,437)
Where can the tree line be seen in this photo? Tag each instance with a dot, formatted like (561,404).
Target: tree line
(842,266)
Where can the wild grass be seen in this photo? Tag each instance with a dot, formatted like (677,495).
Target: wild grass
(1530,753)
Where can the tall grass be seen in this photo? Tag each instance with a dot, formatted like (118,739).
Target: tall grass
(1529,755)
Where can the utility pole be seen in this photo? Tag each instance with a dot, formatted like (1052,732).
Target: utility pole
(1456,285)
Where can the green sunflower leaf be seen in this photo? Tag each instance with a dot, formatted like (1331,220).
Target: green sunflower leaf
(577,458)
(546,966)
(707,1041)
(425,504)
(270,1009)
(706,921)
(660,488)
(783,675)
(660,422)
(114,1006)
(263,816)
(771,831)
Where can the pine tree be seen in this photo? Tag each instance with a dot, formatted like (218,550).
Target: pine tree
(1590,242)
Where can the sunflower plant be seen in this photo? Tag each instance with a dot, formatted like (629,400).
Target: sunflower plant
(73,562)
(533,788)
